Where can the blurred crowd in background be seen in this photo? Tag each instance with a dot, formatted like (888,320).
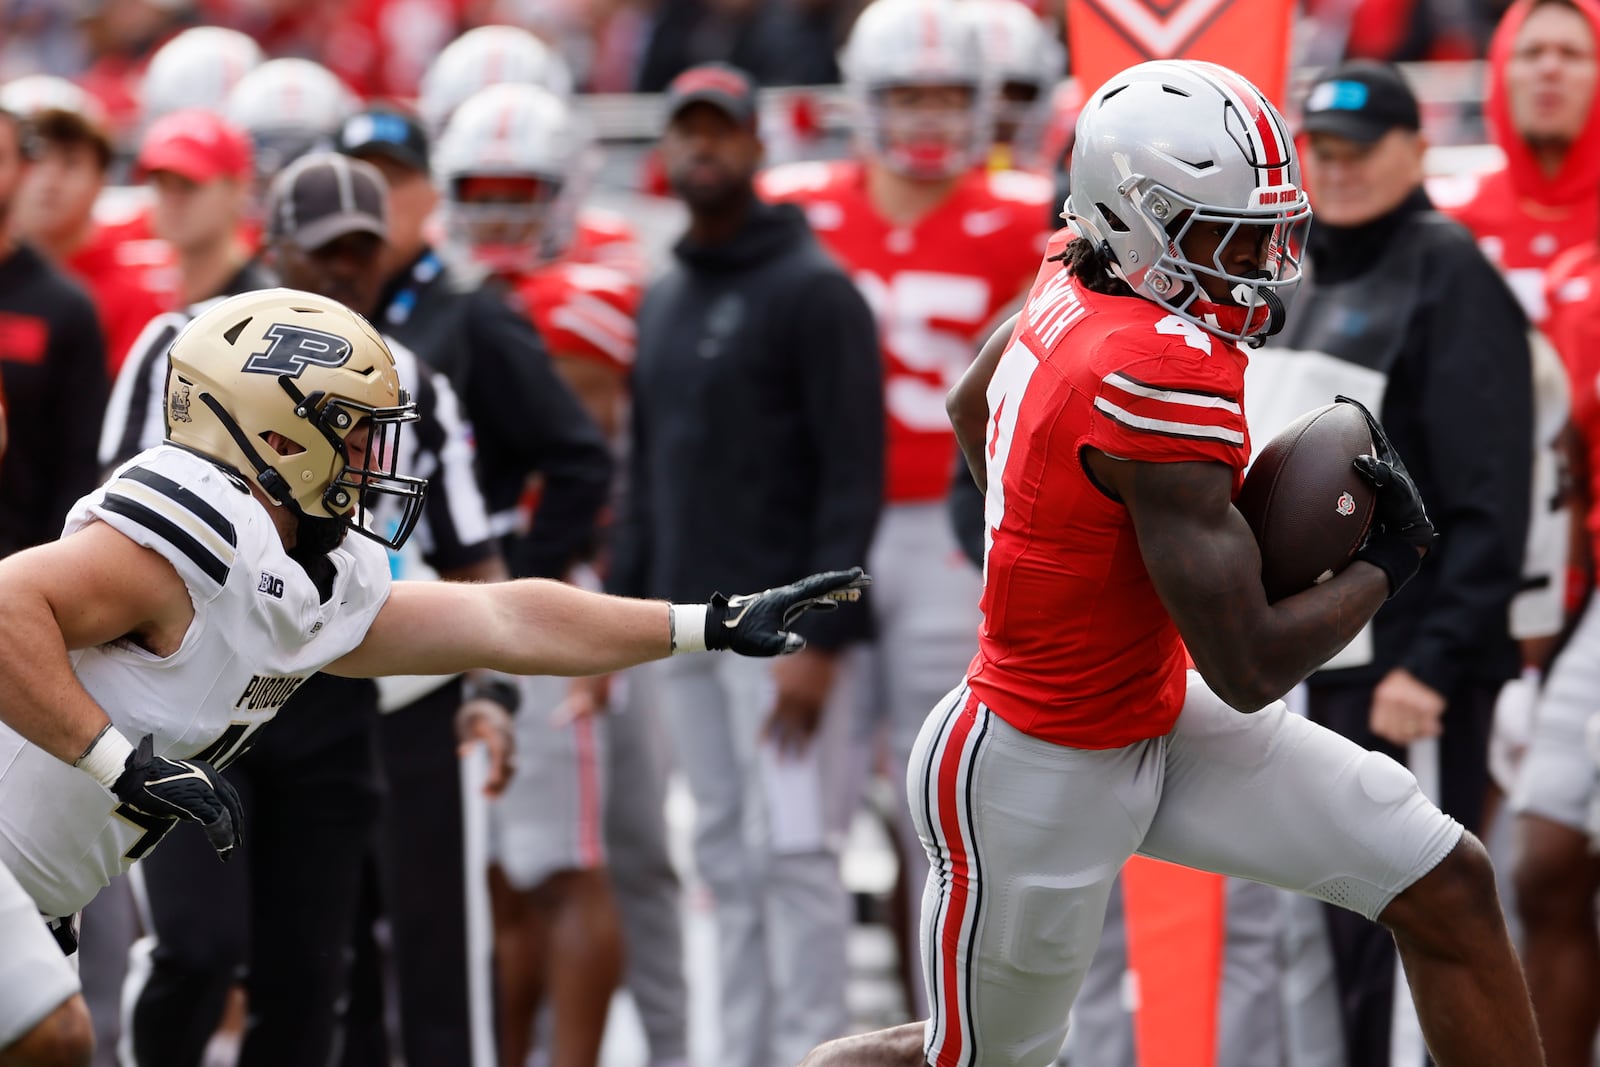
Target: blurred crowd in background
(381,47)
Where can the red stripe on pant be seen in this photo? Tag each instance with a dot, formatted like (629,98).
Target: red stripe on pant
(952,795)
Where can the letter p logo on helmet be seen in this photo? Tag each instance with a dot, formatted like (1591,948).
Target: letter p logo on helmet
(293,348)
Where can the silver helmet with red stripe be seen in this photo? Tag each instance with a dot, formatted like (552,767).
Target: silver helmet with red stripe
(514,164)
(196,69)
(921,93)
(1180,154)
(485,56)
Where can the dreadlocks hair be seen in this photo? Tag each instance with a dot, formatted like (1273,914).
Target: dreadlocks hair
(1092,266)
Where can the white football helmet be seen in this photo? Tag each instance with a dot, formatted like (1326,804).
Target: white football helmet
(196,69)
(289,107)
(45,92)
(1165,147)
(488,55)
(918,43)
(1027,58)
(514,131)
(311,370)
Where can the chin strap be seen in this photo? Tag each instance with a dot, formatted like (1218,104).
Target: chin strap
(268,478)
(1277,314)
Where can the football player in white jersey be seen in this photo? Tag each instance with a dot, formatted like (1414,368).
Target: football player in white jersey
(190,595)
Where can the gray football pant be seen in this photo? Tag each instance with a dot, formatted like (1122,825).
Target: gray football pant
(924,600)
(648,894)
(781,918)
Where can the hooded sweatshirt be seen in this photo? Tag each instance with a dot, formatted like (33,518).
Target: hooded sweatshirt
(758,431)
(1522,218)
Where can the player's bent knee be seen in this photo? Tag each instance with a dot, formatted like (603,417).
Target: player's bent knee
(65,1038)
(1446,908)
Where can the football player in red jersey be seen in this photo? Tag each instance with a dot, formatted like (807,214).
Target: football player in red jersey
(1546,198)
(939,247)
(513,166)
(1114,442)
(1556,797)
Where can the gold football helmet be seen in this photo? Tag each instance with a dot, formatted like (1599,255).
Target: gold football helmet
(311,371)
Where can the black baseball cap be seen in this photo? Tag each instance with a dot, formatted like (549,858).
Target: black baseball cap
(388,132)
(723,86)
(1362,100)
(325,196)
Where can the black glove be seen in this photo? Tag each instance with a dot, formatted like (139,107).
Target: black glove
(756,624)
(1400,524)
(182,789)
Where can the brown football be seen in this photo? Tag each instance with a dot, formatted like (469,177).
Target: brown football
(1304,501)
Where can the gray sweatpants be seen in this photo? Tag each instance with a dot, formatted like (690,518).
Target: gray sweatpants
(780,909)
(648,892)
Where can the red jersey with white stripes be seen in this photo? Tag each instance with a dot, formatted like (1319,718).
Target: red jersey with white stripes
(1573,326)
(606,239)
(582,311)
(1076,648)
(933,286)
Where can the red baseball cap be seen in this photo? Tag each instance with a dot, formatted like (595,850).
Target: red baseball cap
(197,145)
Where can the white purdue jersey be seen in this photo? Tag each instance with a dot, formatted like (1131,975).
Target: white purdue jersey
(260,629)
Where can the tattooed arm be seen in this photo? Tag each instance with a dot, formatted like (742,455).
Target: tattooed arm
(1206,567)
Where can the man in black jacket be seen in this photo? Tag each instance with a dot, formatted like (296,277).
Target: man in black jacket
(757,448)
(1402,311)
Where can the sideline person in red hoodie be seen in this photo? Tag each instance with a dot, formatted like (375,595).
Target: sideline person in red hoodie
(1546,198)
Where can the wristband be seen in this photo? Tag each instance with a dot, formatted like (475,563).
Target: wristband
(687,624)
(106,757)
(1397,559)
(499,688)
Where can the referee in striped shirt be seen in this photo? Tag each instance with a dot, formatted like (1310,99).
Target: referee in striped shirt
(282,919)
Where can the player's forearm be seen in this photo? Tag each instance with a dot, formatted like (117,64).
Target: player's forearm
(968,403)
(968,409)
(1292,639)
(44,701)
(554,628)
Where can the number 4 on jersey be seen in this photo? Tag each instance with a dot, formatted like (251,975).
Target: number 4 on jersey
(1005,393)
(1193,336)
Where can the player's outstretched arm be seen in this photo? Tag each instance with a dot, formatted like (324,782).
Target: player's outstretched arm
(968,403)
(1206,567)
(544,627)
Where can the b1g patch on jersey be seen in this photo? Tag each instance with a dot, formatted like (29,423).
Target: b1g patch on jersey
(268,691)
(293,348)
(270,585)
